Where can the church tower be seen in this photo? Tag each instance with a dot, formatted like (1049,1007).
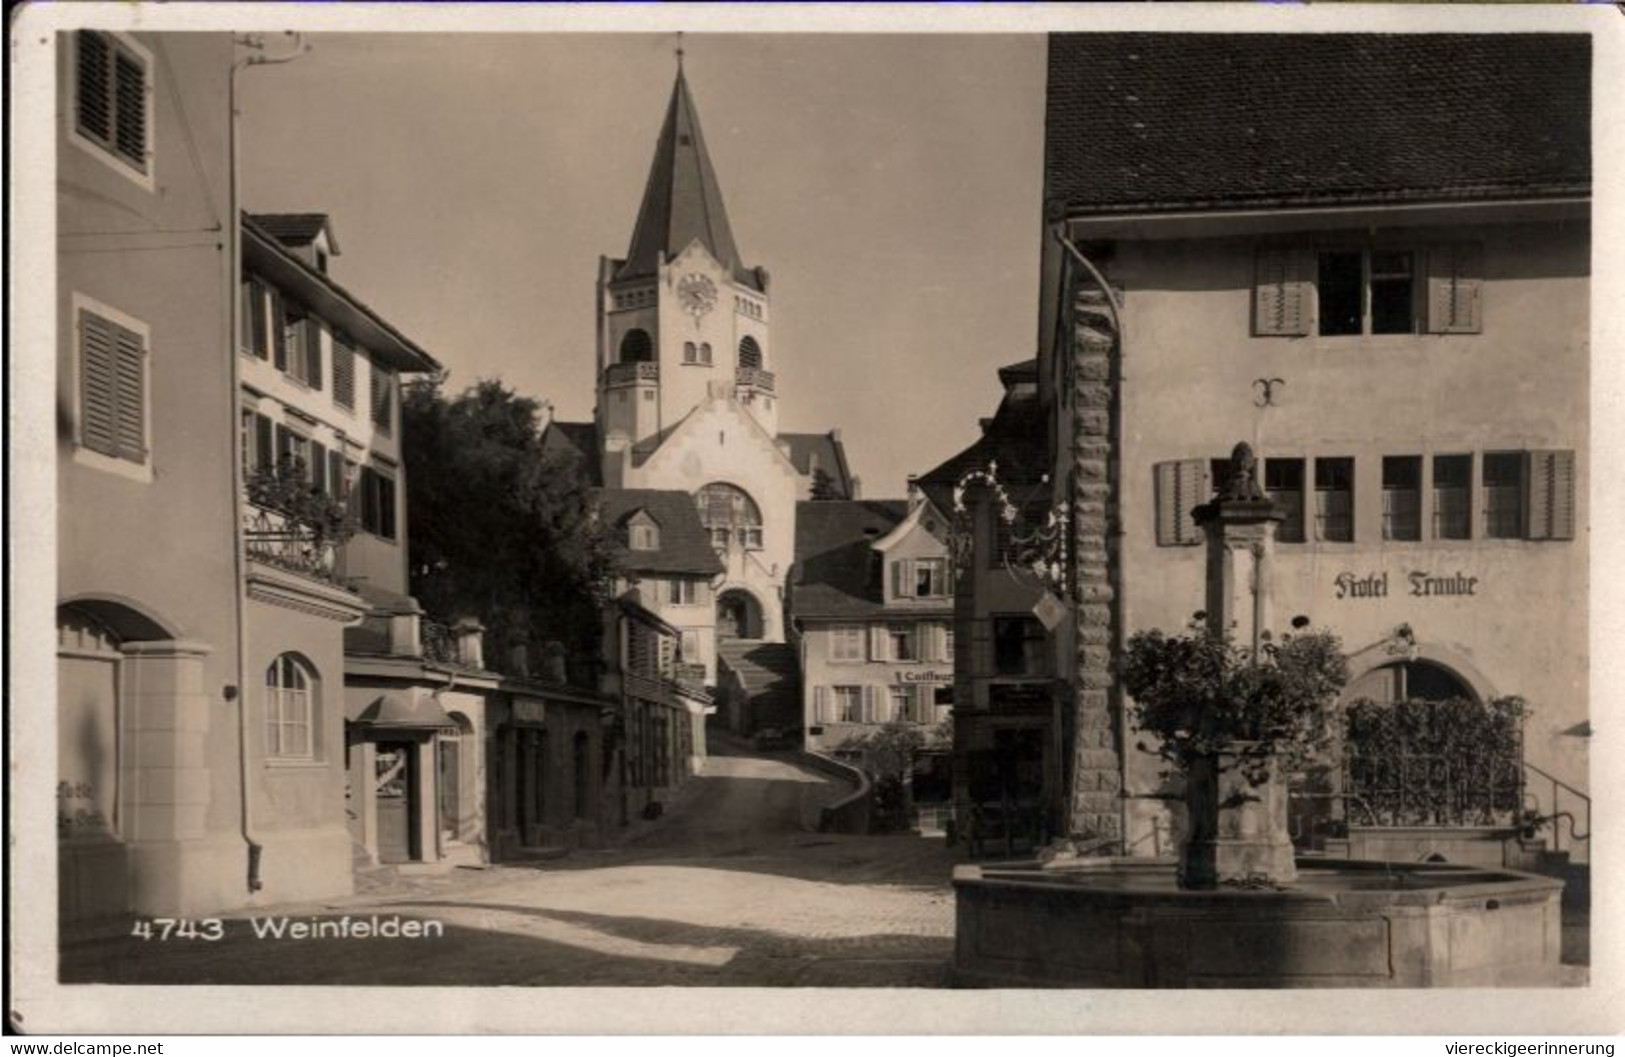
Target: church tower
(687,397)
(682,317)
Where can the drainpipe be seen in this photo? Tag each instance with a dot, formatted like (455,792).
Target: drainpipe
(234,248)
(1115,572)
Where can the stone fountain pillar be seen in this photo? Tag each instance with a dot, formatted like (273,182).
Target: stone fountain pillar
(1237,800)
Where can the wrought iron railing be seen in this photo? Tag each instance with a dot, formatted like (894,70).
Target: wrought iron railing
(754,378)
(1566,808)
(1435,763)
(628,373)
(276,539)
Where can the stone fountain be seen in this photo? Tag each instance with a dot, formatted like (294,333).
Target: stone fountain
(1238,910)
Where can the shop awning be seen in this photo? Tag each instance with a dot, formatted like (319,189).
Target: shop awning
(399,712)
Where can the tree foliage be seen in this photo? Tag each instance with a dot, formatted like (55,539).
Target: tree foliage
(502,530)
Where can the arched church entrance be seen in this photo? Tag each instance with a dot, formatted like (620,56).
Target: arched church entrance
(739,615)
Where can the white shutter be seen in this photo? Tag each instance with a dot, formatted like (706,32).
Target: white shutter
(1280,293)
(821,704)
(866,704)
(1180,488)
(1456,289)
(877,643)
(98,385)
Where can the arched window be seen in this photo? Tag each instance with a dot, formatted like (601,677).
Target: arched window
(730,515)
(290,708)
(750,353)
(1409,681)
(636,347)
(691,353)
(705,352)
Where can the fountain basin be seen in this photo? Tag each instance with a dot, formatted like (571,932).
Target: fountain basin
(1344,923)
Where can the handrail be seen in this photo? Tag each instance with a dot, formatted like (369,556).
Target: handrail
(1559,786)
(1555,780)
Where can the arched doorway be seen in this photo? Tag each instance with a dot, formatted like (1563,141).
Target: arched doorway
(1409,680)
(739,615)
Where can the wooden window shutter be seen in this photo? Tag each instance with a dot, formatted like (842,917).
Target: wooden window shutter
(1181,487)
(343,371)
(130,95)
(98,384)
(877,642)
(1550,495)
(897,579)
(264,442)
(318,466)
(821,704)
(313,351)
(1456,289)
(335,475)
(94,72)
(1280,293)
(870,707)
(132,395)
(279,331)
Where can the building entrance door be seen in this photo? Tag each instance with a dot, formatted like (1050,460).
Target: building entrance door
(394,781)
(1007,790)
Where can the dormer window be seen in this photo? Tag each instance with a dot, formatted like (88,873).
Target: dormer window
(321,260)
(642,533)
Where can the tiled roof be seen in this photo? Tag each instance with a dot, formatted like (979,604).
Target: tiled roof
(836,573)
(296,229)
(685,546)
(579,440)
(1015,438)
(1185,120)
(830,454)
(682,201)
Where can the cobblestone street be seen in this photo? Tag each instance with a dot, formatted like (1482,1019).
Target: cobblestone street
(733,887)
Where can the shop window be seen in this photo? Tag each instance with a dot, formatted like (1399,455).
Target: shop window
(290,708)
(1334,500)
(1402,497)
(1283,480)
(1018,646)
(1452,496)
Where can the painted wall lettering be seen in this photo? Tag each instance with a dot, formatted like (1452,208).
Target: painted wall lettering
(1422,584)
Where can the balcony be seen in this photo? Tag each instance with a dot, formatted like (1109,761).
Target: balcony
(276,539)
(754,378)
(619,374)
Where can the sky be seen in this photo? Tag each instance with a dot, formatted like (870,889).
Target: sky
(890,184)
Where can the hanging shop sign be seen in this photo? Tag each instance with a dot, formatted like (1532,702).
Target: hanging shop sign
(1417,583)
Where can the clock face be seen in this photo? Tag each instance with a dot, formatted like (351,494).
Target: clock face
(697,294)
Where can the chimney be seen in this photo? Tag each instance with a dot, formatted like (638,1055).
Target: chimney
(914,496)
(470,636)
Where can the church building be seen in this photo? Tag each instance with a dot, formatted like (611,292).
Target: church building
(688,399)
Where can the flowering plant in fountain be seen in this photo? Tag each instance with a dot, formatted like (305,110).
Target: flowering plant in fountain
(1201,694)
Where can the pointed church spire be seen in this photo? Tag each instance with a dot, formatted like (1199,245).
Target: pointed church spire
(682,200)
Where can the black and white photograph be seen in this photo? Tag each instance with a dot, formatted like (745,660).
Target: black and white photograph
(1000,518)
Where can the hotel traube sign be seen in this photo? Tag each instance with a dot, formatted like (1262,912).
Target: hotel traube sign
(1418,583)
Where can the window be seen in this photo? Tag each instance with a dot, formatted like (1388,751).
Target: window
(1334,500)
(920,578)
(1503,495)
(256,323)
(691,352)
(299,344)
(383,399)
(111,97)
(642,534)
(682,592)
(1452,496)
(846,643)
(1402,497)
(1018,646)
(848,704)
(728,513)
(903,642)
(1181,487)
(378,503)
(636,347)
(705,352)
(1366,292)
(343,371)
(1551,495)
(112,388)
(750,353)
(289,709)
(1283,480)
(903,700)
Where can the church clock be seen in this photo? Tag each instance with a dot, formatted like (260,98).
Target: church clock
(697,295)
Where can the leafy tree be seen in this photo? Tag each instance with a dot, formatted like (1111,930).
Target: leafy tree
(888,755)
(502,530)
(823,485)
